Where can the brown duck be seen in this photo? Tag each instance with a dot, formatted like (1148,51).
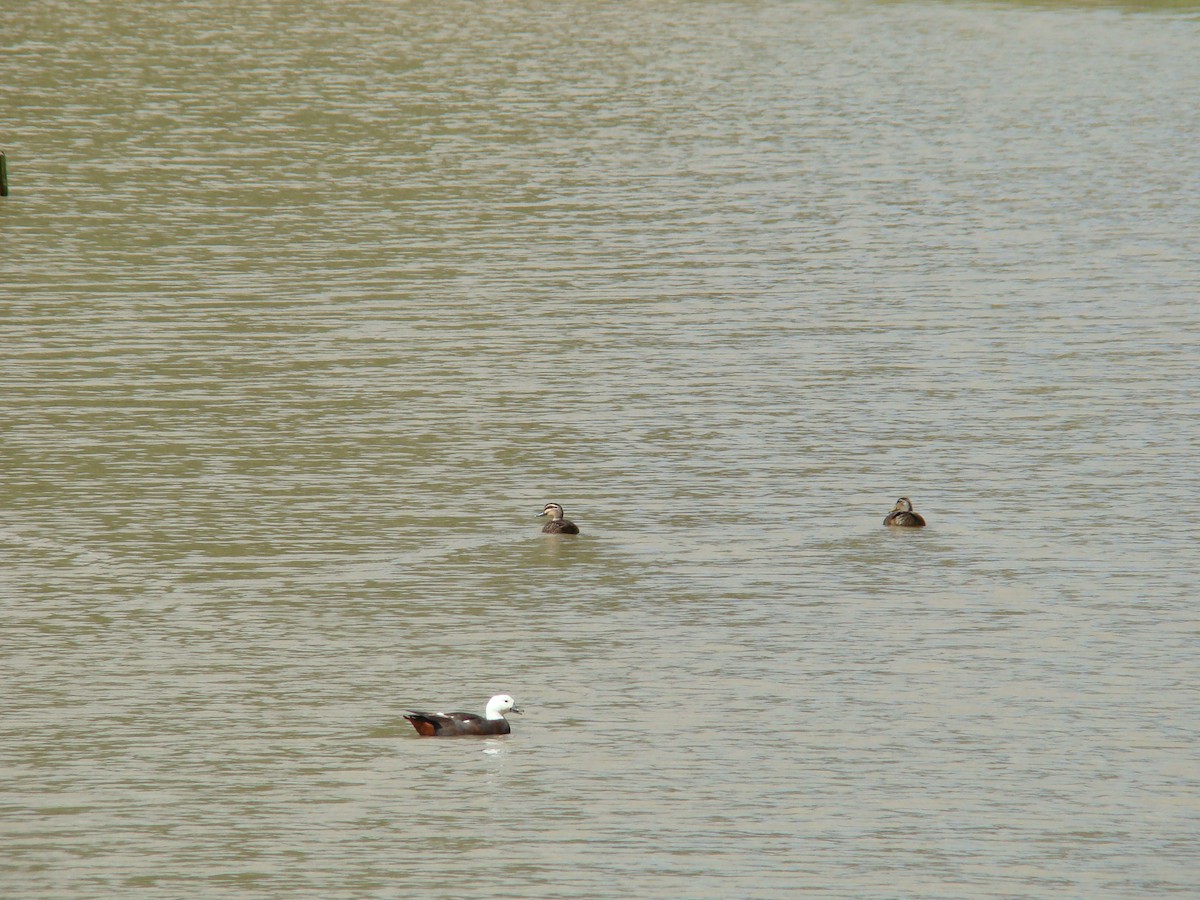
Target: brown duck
(903,516)
(557,524)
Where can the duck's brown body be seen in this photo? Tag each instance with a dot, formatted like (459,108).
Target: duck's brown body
(903,516)
(456,724)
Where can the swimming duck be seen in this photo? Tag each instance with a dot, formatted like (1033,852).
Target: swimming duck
(458,724)
(902,516)
(557,524)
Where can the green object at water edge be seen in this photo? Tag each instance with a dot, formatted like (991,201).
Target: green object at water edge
(3,175)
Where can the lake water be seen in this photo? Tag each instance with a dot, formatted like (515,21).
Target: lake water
(307,309)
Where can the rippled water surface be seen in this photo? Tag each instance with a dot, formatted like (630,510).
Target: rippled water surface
(306,310)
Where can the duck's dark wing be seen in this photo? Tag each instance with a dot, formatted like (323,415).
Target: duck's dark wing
(468,724)
(561,526)
(455,724)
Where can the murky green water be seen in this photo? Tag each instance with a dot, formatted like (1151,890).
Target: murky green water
(307,309)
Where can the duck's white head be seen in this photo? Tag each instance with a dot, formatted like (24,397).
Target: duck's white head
(553,510)
(499,705)
(903,505)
